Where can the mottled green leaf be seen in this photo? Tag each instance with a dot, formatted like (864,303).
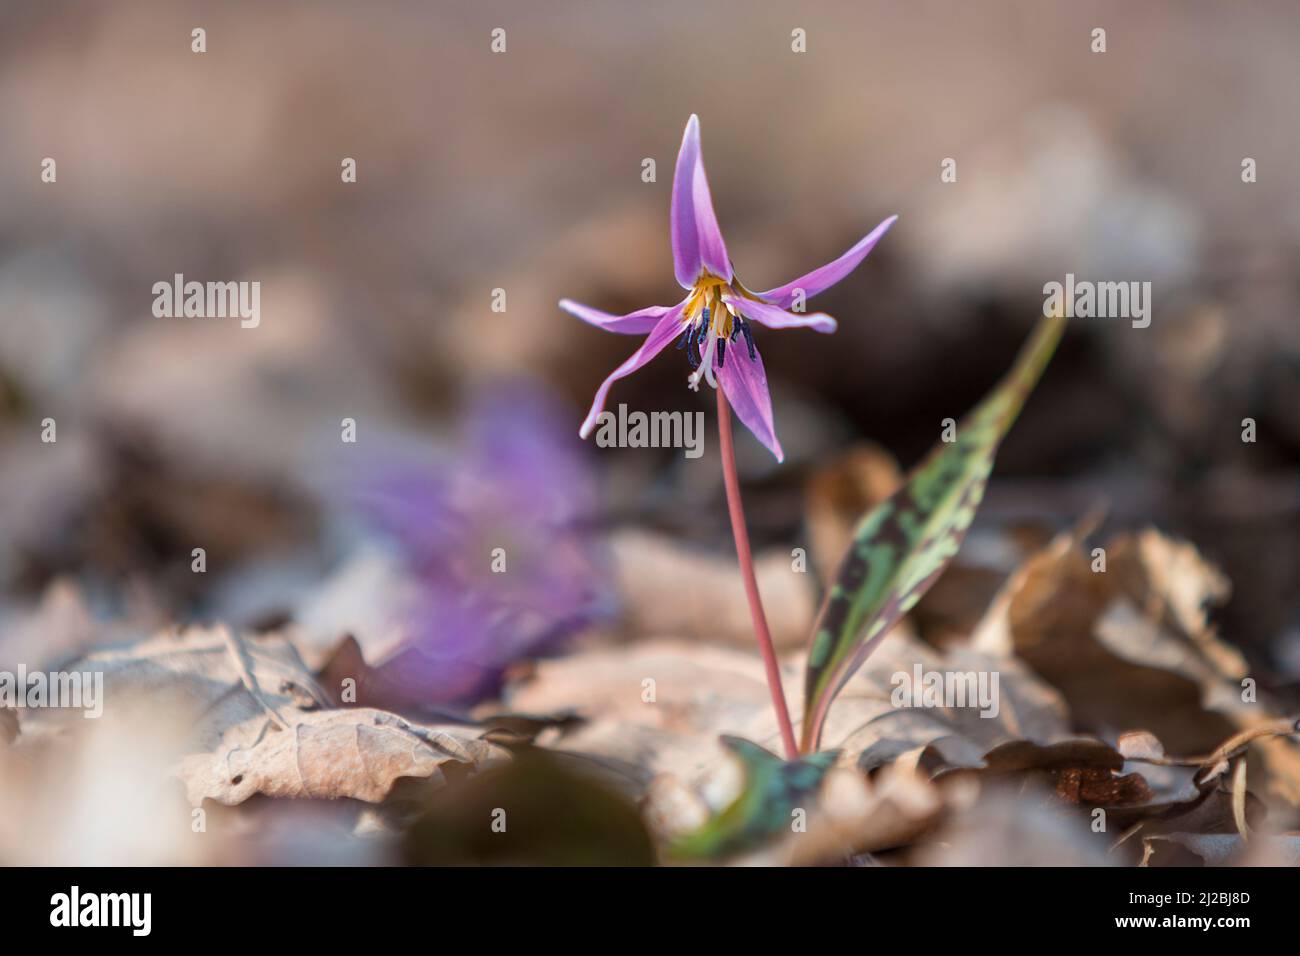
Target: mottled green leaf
(773,788)
(902,545)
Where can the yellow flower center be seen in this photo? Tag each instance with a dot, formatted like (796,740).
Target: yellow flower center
(710,322)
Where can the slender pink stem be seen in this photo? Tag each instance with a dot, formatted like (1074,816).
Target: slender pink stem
(741,534)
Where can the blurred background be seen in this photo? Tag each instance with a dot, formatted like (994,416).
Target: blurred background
(522,171)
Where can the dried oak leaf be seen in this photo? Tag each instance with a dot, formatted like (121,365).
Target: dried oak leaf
(254,720)
(358,753)
(204,679)
(1131,646)
(1079,771)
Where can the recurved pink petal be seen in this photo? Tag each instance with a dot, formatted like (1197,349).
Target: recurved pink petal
(634,323)
(819,280)
(668,328)
(777,318)
(745,384)
(697,240)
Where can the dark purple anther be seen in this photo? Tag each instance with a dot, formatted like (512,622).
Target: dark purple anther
(693,346)
(749,340)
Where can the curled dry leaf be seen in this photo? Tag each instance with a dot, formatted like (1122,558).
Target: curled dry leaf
(254,720)
(1196,795)
(1131,646)
(1083,772)
(1171,796)
(357,753)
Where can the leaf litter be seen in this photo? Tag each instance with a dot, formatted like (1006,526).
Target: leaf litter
(247,719)
(1116,701)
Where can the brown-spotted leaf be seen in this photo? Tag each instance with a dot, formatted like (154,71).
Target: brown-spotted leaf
(902,546)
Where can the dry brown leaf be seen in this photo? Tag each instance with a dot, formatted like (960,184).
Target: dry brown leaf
(655,710)
(254,720)
(357,753)
(866,723)
(1081,771)
(1006,827)
(658,706)
(661,705)
(206,679)
(669,589)
(1197,795)
(1131,646)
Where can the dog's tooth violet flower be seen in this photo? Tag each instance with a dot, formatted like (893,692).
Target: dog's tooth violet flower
(712,325)
(515,482)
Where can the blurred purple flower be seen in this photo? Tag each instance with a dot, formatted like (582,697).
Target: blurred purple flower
(515,482)
(718,308)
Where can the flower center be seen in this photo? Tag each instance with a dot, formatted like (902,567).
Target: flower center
(709,322)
